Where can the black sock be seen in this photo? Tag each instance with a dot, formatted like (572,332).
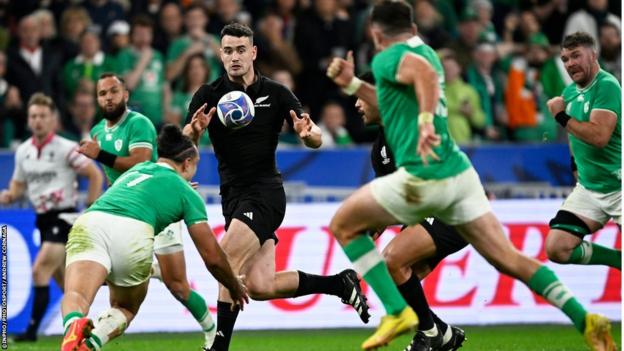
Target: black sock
(226,318)
(318,284)
(40,305)
(442,326)
(414,295)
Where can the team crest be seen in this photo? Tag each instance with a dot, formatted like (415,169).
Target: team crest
(118,144)
(586,107)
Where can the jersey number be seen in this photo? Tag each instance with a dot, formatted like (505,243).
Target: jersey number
(139,179)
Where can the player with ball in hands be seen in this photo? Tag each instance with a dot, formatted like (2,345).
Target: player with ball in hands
(253,198)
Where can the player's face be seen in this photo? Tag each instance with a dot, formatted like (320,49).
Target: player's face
(370,115)
(112,98)
(41,120)
(238,55)
(578,63)
(189,168)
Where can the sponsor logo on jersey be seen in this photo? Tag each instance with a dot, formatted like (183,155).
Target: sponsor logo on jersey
(260,100)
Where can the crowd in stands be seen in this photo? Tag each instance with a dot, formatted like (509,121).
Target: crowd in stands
(500,57)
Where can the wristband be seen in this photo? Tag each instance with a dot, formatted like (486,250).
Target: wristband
(425,117)
(106,158)
(562,118)
(572,164)
(353,86)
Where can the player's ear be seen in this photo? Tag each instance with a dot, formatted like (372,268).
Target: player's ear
(254,52)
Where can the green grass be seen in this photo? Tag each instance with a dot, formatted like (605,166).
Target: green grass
(491,338)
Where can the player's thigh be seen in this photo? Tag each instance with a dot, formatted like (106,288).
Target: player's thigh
(410,246)
(51,255)
(84,278)
(129,298)
(240,243)
(360,212)
(259,271)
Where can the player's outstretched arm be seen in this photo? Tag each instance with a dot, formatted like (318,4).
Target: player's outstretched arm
(15,191)
(199,122)
(95,178)
(217,263)
(306,129)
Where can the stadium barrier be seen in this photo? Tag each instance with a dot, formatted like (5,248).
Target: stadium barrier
(464,289)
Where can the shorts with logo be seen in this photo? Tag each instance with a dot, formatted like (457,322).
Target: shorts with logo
(596,206)
(169,241)
(124,246)
(454,200)
(260,206)
(51,227)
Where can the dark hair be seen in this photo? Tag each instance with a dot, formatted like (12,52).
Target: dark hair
(174,145)
(368,77)
(237,30)
(196,6)
(394,17)
(578,39)
(113,75)
(187,67)
(142,21)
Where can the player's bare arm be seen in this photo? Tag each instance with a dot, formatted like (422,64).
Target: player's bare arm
(306,129)
(15,191)
(415,70)
(597,131)
(217,263)
(342,72)
(91,149)
(95,178)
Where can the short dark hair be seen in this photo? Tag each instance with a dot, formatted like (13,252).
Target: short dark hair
(237,30)
(142,21)
(174,145)
(196,6)
(394,16)
(113,75)
(578,39)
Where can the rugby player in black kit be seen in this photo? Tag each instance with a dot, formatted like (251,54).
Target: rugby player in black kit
(252,193)
(415,252)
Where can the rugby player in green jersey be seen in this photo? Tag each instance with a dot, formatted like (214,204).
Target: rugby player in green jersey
(113,242)
(434,178)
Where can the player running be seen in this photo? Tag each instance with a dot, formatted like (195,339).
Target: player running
(46,167)
(433,178)
(121,140)
(590,110)
(252,192)
(113,242)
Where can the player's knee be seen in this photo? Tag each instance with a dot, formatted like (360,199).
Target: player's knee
(259,291)
(41,275)
(557,253)
(395,265)
(341,231)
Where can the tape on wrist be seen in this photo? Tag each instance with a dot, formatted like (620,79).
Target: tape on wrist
(353,86)
(425,117)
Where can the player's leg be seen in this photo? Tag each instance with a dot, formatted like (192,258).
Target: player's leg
(584,212)
(125,302)
(358,213)
(169,251)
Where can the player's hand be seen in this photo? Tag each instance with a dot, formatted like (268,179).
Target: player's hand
(5,197)
(556,105)
(89,148)
(427,140)
(302,126)
(239,296)
(342,71)
(200,119)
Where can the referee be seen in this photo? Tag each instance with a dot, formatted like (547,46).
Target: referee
(253,199)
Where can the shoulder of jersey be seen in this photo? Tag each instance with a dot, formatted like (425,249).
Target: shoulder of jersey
(70,144)
(23,146)
(136,117)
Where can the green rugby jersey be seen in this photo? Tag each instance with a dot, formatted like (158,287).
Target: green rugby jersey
(599,169)
(132,130)
(399,113)
(153,193)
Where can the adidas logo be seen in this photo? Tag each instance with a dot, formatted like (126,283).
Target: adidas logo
(248,215)
(220,333)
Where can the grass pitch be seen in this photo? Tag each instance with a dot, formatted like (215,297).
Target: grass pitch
(490,338)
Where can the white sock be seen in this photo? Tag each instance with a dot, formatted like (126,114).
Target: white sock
(108,325)
(210,329)
(431,332)
(447,335)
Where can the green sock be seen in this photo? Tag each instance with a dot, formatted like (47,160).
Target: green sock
(546,283)
(594,254)
(94,343)
(70,318)
(197,305)
(368,262)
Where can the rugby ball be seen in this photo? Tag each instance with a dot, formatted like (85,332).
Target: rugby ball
(235,109)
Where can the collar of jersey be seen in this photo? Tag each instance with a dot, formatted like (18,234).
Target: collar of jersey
(253,88)
(108,129)
(165,165)
(590,84)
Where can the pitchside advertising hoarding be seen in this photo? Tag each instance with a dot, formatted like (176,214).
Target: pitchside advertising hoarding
(464,289)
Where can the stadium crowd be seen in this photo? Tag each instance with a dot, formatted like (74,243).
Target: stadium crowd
(500,58)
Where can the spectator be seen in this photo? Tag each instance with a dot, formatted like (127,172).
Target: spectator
(196,40)
(319,36)
(169,28)
(82,113)
(430,24)
(485,11)
(552,16)
(274,51)
(74,21)
(486,77)
(88,65)
(333,120)
(287,136)
(47,24)
(195,73)
(10,106)
(225,12)
(33,67)
(143,69)
(469,30)
(103,13)
(610,49)
(589,19)
(286,10)
(118,38)
(464,108)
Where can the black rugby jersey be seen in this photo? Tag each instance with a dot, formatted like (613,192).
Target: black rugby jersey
(247,155)
(382,158)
